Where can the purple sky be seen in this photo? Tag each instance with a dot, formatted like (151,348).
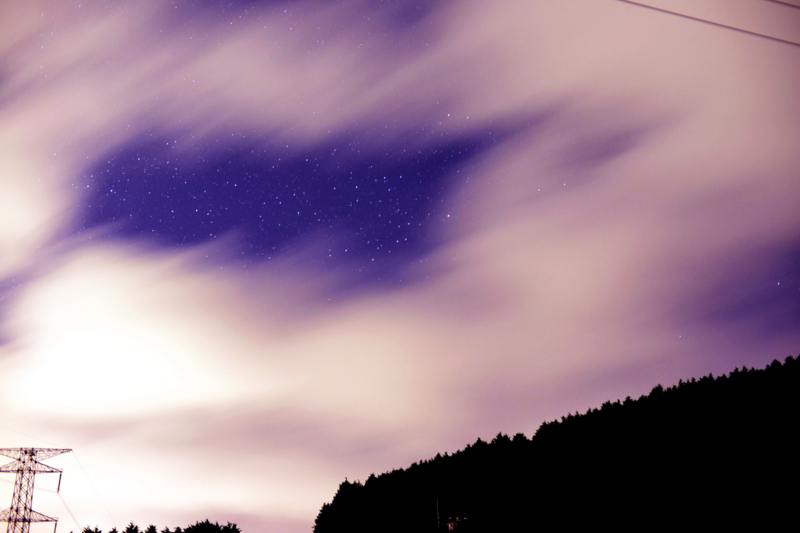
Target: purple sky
(251,248)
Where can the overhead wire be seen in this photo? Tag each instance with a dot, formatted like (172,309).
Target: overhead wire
(57,493)
(94,489)
(704,21)
(69,510)
(796,6)
(29,436)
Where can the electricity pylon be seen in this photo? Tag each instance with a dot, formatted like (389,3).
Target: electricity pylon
(26,465)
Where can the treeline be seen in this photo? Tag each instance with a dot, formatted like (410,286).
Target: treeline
(704,453)
(200,527)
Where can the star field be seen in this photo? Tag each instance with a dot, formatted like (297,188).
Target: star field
(360,204)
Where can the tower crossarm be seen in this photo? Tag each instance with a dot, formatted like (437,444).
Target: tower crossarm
(37,454)
(26,464)
(33,466)
(5,516)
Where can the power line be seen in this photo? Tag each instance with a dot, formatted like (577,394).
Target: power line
(734,28)
(94,489)
(69,511)
(783,3)
(26,435)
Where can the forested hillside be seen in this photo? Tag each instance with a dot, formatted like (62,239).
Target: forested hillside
(711,452)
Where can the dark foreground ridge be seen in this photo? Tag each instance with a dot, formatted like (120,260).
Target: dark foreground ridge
(704,453)
(200,527)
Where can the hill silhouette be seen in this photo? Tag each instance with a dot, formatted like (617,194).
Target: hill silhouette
(710,452)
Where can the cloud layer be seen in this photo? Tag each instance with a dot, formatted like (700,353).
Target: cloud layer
(248,251)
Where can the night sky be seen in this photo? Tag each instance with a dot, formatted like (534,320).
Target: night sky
(370,207)
(249,249)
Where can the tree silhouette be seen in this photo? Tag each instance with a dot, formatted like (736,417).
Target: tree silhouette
(207,527)
(715,452)
(200,527)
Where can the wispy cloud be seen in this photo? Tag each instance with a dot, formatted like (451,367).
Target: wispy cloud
(249,250)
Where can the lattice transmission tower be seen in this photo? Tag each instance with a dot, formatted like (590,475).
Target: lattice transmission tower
(26,465)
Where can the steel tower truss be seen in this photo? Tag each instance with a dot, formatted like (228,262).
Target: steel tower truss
(26,465)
